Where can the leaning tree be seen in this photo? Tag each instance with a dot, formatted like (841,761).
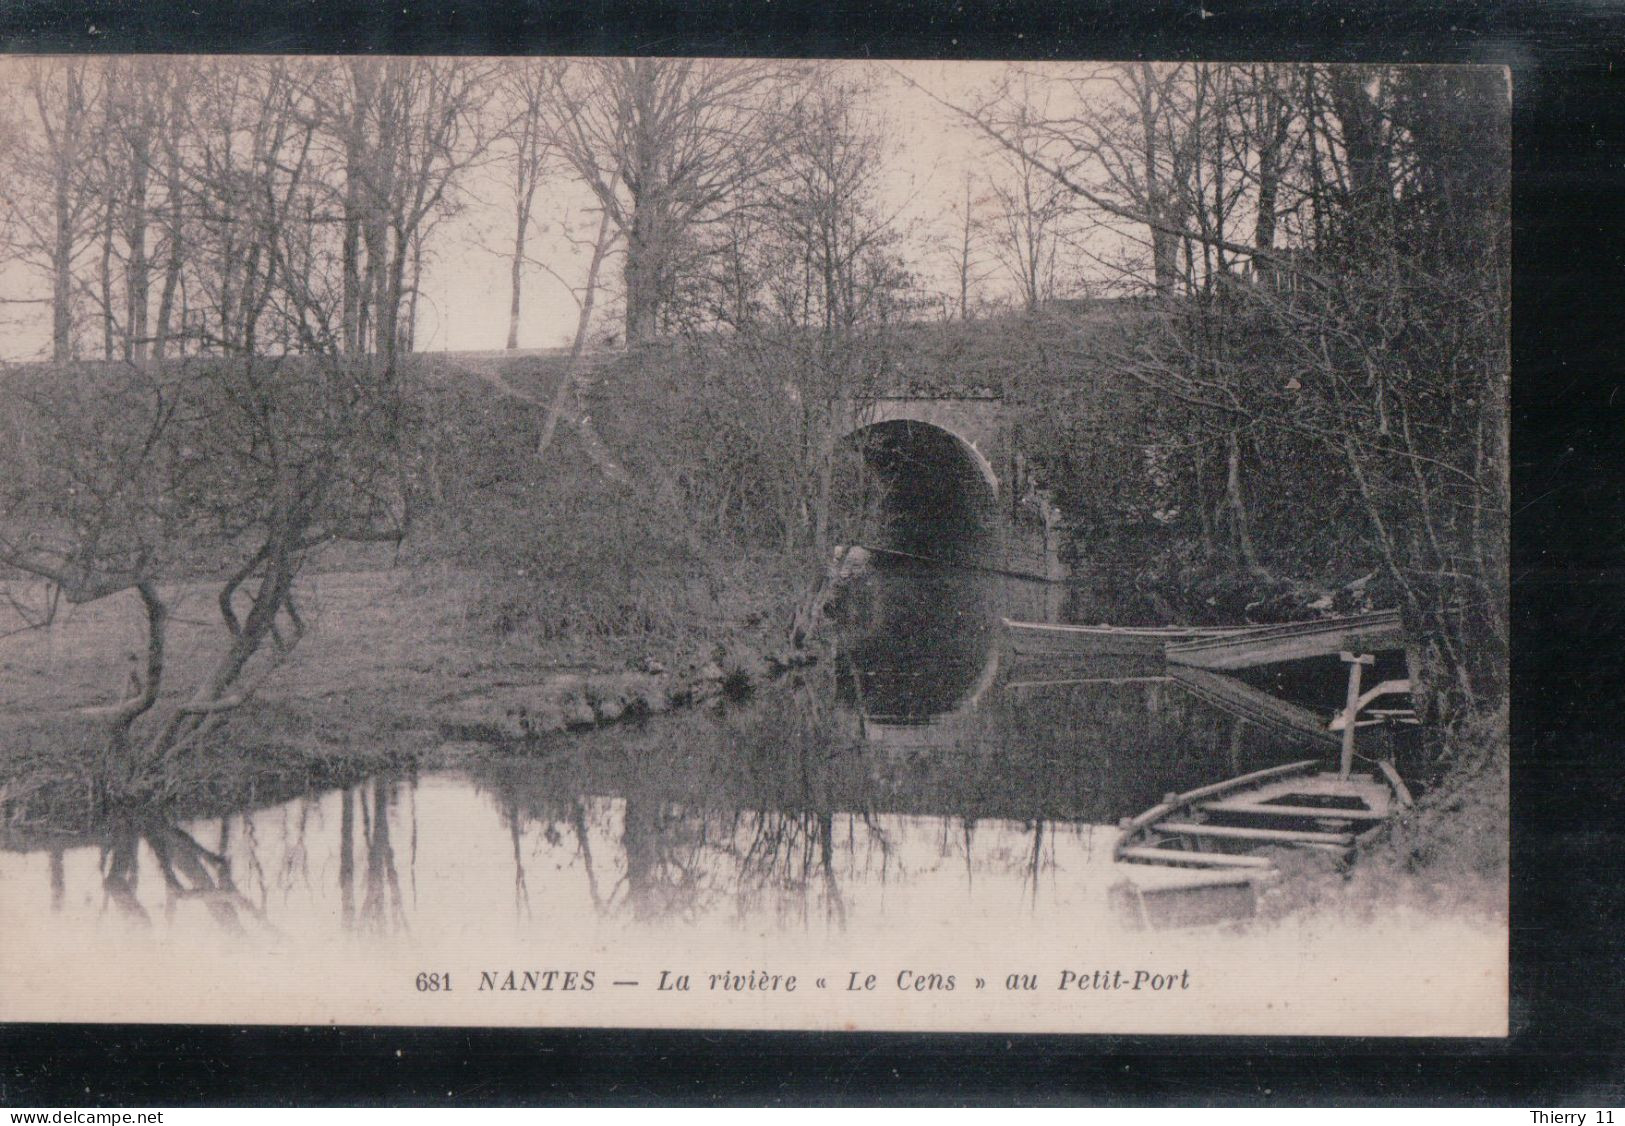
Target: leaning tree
(226,468)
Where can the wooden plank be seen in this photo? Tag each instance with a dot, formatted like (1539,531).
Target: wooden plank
(1179,801)
(1375,795)
(1114,681)
(1386,688)
(1292,642)
(1294,811)
(1249,703)
(956,564)
(1313,627)
(1402,793)
(1054,639)
(1029,639)
(1239,833)
(1149,877)
(1219,897)
(1075,628)
(1195,859)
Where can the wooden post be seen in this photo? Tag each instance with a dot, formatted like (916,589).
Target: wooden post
(1351,709)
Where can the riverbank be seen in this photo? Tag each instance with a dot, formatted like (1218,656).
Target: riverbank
(398,668)
(1449,855)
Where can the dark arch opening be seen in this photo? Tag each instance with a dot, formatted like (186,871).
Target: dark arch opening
(916,643)
(920,490)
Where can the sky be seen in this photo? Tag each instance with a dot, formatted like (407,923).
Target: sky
(464,303)
(467,286)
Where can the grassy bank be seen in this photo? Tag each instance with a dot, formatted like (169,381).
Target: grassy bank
(523,564)
(389,655)
(1448,855)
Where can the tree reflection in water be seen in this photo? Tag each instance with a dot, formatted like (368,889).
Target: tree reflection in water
(193,873)
(785,808)
(190,872)
(59,882)
(381,909)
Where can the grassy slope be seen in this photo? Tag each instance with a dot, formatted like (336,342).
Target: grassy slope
(499,587)
(385,651)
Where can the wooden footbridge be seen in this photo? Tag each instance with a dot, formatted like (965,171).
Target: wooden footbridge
(1196,658)
(1294,641)
(1217,648)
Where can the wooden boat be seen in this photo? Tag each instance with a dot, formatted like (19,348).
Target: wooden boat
(1051,639)
(1223,838)
(1292,641)
(1204,851)
(1232,824)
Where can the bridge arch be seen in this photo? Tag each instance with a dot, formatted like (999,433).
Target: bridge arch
(941,493)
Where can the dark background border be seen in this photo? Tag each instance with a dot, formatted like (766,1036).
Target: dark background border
(1568,556)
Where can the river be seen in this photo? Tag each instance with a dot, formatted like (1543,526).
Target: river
(915,772)
(917,793)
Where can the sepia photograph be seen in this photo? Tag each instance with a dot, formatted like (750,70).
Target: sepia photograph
(746,543)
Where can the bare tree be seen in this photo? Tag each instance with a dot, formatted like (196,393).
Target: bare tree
(525,84)
(231,468)
(136,127)
(666,145)
(173,139)
(225,469)
(49,198)
(141,139)
(1267,116)
(403,132)
(968,251)
(1028,223)
(1126,149)
(835,279)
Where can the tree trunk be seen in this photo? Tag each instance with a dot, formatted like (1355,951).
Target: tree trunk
(391,290)
(374,238)
(643,252)
(350,250)
(1238,503)
(62,273)
(1370,181)
(1204,513)
(108,205)
(516,273)
(564,395)
(166,297)
(409,331)
(135,270)
(173,219)
(1164,244)
(1271,126)
(826,480)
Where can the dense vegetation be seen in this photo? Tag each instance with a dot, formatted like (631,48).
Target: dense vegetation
(1275,384)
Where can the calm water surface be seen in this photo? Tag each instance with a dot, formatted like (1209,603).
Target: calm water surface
(918,779)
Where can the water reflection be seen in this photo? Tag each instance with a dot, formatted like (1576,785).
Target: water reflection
(809,807)
(189,873)
(381,906)
(916,645)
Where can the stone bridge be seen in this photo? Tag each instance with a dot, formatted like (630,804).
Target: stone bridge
(957,482)
(975,420)
(957,486)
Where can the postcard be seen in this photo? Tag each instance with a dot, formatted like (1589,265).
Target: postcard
(758,544)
